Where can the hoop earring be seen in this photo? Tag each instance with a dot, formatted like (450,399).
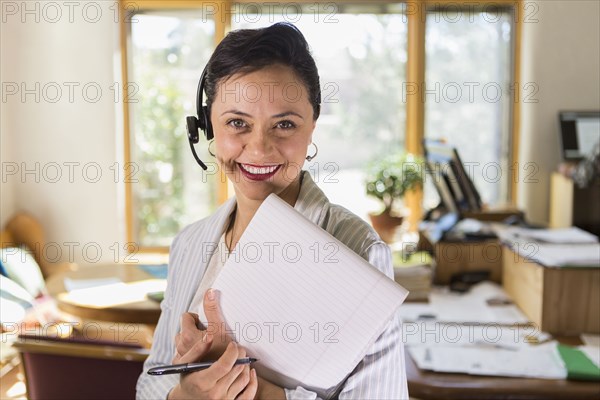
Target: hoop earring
(209,144)
(310,158)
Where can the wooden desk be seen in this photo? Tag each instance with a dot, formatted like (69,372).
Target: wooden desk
(440,386)
(494,215)
(424,385)
(457,256)
(119,302)
(561,301)
(454,257)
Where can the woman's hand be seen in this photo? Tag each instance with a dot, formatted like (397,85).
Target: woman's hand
(214,333)
(222,380)
(189,336)
(216,324)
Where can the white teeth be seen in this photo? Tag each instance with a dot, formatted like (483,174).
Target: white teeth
(259,170)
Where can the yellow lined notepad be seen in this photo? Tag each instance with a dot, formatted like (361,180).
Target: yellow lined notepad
(302,302)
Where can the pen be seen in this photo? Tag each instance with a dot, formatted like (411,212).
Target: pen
(191,367)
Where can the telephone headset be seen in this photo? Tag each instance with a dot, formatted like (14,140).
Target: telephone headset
(202,121)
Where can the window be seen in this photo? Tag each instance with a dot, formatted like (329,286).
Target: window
(467,93)
(367,53)
(362,66)
(167,52)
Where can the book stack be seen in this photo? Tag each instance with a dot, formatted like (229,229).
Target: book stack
(414,273)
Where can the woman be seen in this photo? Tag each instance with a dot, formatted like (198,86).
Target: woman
(262,89)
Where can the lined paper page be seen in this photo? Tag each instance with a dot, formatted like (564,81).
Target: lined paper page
(302,302)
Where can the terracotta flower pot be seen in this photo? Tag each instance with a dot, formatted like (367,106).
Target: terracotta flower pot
(385,225)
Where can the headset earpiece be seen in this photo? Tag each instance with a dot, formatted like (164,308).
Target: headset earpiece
(202,121)
(192,129)
(205,124)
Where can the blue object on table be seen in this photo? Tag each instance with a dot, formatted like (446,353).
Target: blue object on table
(157,271)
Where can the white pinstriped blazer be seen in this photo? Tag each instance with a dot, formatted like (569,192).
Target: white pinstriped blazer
(380,375)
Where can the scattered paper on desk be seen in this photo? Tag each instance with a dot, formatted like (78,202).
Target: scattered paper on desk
(302,302)
(569,247)
(462,333)
(431,333)
(113,294)
(562,255)
(591,347)
(539,361)
(76,284)
(558,236)
(593,353)
(412,312)
(590,339)
(473,306)
(470,307)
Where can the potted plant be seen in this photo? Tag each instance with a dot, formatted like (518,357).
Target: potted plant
(389,179)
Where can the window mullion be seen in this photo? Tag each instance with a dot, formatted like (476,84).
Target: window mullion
(415,107)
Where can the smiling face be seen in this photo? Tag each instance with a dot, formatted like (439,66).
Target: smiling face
(263,125)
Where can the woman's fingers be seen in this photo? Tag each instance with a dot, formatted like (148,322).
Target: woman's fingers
(239,381)
(176,358)
(223,379)
(197,351)
(251,388)
(235,372)
(189,334)
(224,364)
(189,321)
(180,348)
(238,378)
(212,309)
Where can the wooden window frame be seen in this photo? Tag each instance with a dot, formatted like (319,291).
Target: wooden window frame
(415,73)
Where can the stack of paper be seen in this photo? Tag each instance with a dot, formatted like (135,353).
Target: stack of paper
(564,255)
(572,235)
(302,302)
(414,274)
(569,247)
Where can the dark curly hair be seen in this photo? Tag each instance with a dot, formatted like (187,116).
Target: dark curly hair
(248,50)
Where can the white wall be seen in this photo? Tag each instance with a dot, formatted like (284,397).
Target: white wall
(561,54)
(8,186)
(42,134)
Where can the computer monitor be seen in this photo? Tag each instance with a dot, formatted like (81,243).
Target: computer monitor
(579,133)
(454,186)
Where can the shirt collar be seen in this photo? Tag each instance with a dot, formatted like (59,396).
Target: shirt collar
(311,202)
